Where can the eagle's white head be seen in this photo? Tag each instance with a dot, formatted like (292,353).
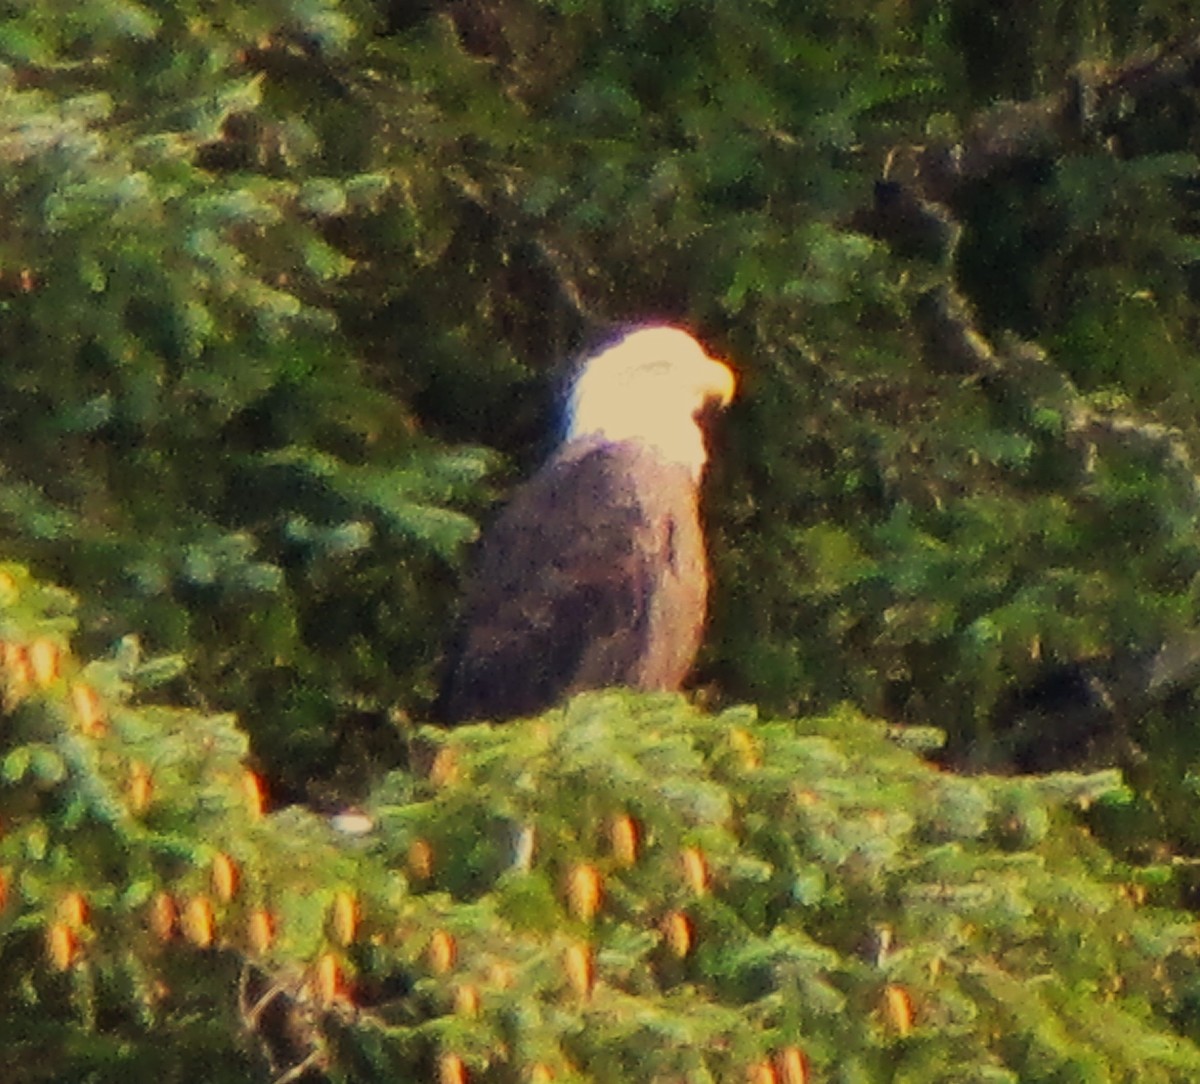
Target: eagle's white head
(649,386)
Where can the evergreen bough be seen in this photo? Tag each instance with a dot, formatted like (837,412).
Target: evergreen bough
(626,888)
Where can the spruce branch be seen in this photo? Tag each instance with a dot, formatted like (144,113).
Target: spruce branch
(1091,110)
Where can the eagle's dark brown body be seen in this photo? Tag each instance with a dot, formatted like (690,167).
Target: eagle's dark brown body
(594,575)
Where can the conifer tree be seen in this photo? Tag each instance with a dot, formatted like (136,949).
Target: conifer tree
(271,277)
(624,889)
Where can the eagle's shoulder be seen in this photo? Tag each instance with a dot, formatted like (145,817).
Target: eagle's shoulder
(563,596)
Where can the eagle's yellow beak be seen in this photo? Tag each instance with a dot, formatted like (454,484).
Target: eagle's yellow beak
(719,384)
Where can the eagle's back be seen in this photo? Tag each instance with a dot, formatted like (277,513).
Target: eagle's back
(594,575)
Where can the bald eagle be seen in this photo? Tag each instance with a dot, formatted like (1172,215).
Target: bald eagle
(595,574)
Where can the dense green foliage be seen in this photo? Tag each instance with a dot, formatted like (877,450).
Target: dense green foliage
(279,280)
(624,890)
(246,299)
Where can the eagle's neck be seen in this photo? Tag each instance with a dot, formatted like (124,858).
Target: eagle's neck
(676,440)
